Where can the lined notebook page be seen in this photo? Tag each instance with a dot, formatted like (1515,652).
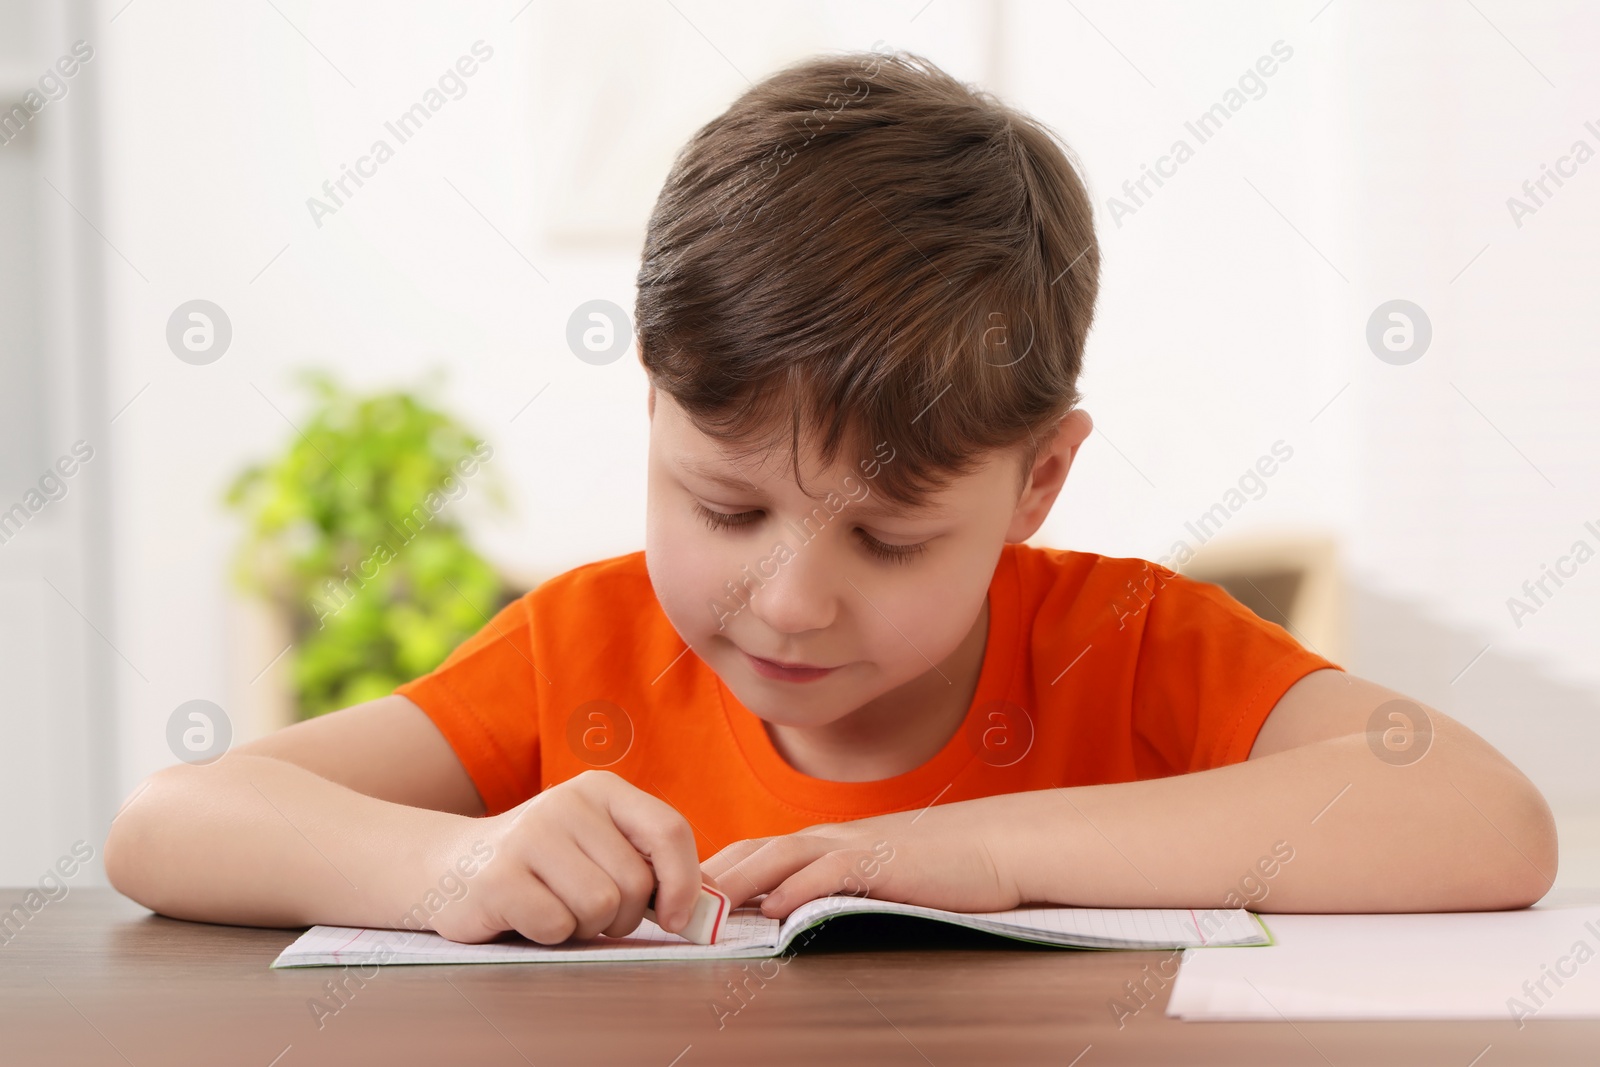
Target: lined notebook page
(1145,927)
(745,933)
(1078,927)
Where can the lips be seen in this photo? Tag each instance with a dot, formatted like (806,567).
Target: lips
(792,666)
(787,672)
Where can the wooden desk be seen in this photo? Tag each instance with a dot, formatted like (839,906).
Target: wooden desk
(96,979)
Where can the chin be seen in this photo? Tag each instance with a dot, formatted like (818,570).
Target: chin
(767,700)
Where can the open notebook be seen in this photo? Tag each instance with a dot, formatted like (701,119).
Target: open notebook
(747,934)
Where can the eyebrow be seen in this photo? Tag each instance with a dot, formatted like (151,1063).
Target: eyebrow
(876,504)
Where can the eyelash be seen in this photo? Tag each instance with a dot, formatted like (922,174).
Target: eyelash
(890,553)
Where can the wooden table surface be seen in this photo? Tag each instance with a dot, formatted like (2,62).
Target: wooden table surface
(95,979)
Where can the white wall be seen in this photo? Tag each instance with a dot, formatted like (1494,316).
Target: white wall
(1376,165)
(1389,141)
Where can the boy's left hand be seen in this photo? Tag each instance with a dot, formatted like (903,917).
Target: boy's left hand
(950,857)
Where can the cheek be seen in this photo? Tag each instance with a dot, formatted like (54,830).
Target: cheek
(686,568)
(932,611)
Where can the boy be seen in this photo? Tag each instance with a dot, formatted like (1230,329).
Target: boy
(835,666)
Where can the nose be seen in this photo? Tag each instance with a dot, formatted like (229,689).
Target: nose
(803,595)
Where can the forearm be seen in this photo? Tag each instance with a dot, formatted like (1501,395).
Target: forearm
(1459,829)
(262,842)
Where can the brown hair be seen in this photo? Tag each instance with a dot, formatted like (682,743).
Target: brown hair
(875,250)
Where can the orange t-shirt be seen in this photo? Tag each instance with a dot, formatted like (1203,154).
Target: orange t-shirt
(1096,669)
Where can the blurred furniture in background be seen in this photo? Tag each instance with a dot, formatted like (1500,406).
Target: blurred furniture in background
(1290,579)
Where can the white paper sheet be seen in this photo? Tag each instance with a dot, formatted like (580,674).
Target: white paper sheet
(1536,963)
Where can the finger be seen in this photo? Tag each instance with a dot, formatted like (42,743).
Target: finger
(582,885)
(719,864)
(656,830)
(632,874)
(770,863)
(724,867)
(534,911)
(834,873)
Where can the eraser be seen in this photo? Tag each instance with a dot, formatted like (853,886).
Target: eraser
(705,923)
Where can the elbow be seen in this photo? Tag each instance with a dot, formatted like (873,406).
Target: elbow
(120,852)
(126,855)
(1529,871)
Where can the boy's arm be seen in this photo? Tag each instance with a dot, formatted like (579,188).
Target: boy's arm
(366,817)
(305,825)
(1366,828)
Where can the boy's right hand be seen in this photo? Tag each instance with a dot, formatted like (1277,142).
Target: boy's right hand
(578,859)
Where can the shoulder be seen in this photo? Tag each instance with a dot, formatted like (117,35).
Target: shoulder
(1095,589)
(568,608)
(1059,573)
(598,585)
(1038,566)
(605,610)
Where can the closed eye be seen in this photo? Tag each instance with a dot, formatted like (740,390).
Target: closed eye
(719,520)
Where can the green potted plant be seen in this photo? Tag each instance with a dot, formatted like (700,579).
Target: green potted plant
(353,535)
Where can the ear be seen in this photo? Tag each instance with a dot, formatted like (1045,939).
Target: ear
(650,402)
(1049,474)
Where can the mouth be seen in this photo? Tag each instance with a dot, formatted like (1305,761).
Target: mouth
(787,672)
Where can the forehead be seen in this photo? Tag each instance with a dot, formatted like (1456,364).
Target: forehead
(747,477)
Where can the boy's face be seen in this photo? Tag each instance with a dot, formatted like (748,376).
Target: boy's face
(829,601)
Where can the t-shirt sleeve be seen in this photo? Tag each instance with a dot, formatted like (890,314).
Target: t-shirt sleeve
(1209,672)
(484,698)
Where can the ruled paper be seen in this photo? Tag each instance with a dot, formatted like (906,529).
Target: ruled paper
(747,934)
(1126,928)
